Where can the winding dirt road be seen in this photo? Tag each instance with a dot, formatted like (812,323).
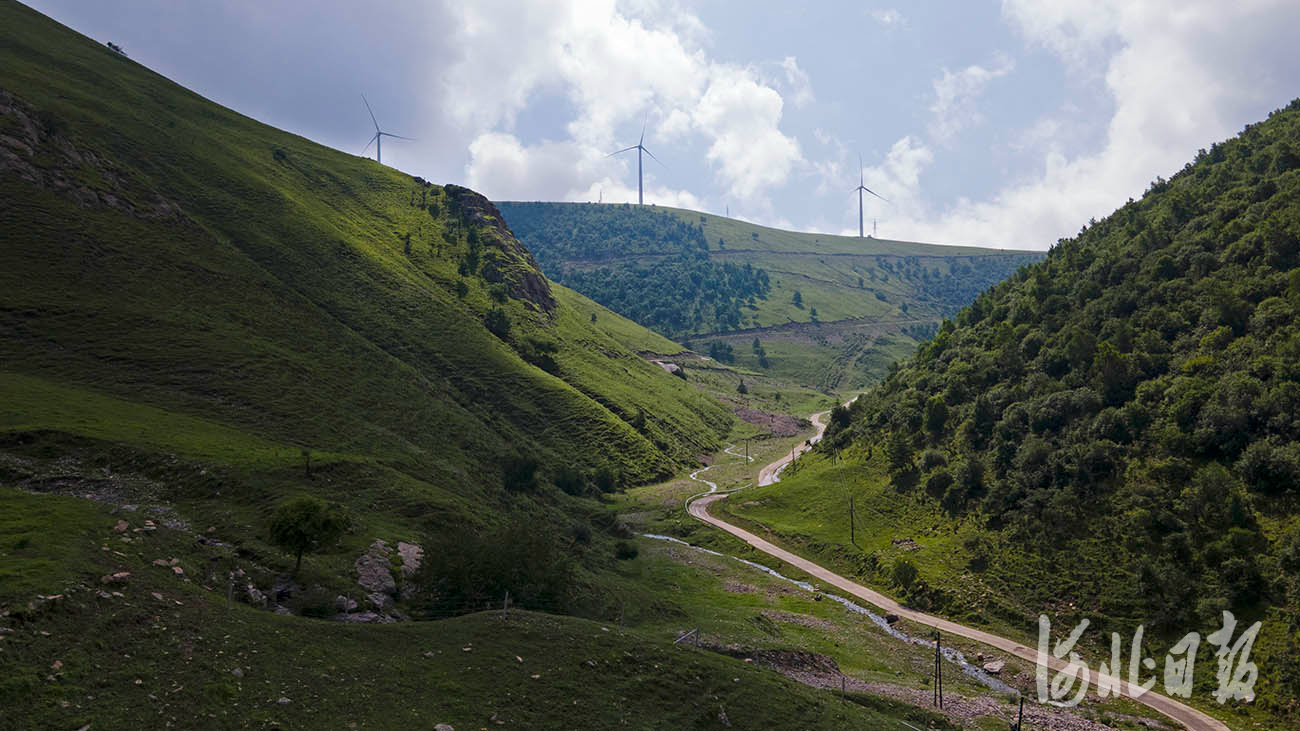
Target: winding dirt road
(699,508)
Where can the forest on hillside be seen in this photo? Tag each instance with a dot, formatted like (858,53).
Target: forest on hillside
(663,279)
(1130,407)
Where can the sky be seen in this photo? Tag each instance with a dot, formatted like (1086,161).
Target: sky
(1007,125)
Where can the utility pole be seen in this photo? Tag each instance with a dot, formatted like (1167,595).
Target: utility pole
(1020,720)
(852,532)
(938,670)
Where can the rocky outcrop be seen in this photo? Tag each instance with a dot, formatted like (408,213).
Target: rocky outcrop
(505,260)
(34,147)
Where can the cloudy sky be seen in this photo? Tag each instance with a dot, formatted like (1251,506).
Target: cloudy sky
(999,124)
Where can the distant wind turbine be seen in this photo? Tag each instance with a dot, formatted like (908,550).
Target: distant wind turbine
(640,148)
(861,187)
(378,139)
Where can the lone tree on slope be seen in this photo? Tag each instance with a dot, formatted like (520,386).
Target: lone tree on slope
(305,525)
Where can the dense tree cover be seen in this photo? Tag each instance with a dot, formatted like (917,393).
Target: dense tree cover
(669,284)
(1138,389)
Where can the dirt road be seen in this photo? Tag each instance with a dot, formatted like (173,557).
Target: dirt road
(1186,715)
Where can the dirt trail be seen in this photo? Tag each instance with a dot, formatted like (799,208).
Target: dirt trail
(1186,715)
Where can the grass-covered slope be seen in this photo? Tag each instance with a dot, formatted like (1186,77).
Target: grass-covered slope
(244,292)
(861,303)
(157,649)
(1114,430)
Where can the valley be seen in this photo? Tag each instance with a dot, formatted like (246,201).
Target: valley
(292,438)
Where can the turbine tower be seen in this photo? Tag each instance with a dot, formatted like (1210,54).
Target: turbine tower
(378,139)
(640,148)
(861,187)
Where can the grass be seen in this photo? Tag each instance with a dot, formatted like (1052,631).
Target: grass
(168,650)
(807,512)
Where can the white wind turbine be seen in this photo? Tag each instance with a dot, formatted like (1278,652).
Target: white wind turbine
(861,187)
(378,139)
(640,148)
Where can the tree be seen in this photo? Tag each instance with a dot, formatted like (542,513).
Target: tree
(756,346)
(797,300)
(742,388)
(498,322)
(812,314)
(306,524)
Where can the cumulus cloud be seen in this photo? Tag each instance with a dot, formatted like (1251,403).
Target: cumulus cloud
(1180,80)
(615,67)
(955,95)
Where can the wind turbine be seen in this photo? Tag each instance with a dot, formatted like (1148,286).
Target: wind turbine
(378,139)
(861,187)
(640,148)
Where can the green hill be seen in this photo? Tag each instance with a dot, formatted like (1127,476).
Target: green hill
(1111,433)
(204,315)
(698,278)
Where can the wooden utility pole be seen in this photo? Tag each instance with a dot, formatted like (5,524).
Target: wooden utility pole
(938,670)
(852,533)
(1019,725)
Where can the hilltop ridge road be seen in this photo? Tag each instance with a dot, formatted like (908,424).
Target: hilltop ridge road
(699,508)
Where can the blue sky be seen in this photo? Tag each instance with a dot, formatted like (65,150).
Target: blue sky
(999,124)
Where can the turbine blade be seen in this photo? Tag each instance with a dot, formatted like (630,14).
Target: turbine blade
(372,114)
(652,156)
(881,197)
(371,142)
(643,124)
(390,134)
(625,149)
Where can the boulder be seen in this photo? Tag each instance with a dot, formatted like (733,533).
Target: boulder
(374,572)
(411,555)
(995,667)
(891,618)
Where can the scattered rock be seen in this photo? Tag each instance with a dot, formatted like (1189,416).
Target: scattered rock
(907,544)
(284,701)
(722,715)
(344,604)
(161,562)
(56,665)
(121,526)
(443,727)
(156,595)
(995,667)
(380,600)
(118,578)
(237,672)
(178,571)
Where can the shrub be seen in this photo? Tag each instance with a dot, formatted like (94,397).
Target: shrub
(625,551)
(519,474)
(498,322)
(904,574)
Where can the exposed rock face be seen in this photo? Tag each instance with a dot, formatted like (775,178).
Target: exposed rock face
(34,149)
(505,259)
(374,572)
(411,555)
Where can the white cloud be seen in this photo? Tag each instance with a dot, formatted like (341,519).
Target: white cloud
(888,17)
(1182,73)
(797,82)
(955,94)
(614,66)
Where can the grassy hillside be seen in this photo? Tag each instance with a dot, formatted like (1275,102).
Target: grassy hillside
(700,278)
(1111,433)
(237,284)
(157,649)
